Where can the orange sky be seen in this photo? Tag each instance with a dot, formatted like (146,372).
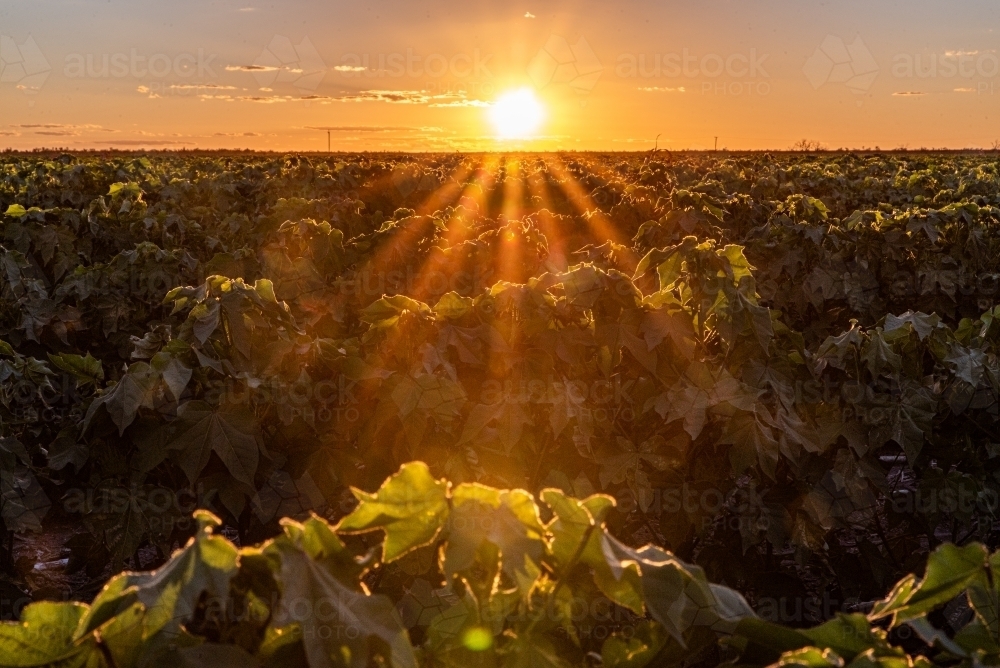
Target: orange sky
(392,75)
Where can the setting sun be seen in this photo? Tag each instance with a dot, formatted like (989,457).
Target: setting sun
(517,114)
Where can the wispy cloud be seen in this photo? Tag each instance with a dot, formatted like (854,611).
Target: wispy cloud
(265,99)
(463,103)
(974,52)
(391,96)
(141,142)
(357,128)
(662,89)
(368,129)
(251,68)
(909,93)
(454,99)
(205,86)
(60,129)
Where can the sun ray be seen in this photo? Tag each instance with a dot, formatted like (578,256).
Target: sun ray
(509,246)
(379,267)
(544,217)
(458,230)
(601,228)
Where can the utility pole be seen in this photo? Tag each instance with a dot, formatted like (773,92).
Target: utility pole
(716,143)
(327,141)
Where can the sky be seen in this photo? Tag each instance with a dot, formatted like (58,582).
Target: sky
(424,76)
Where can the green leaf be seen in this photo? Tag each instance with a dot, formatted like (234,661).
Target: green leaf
(578,537)
(634,650)
(230,431)
(175,374)
(44,637)
(879,356)
(847,635)
(510,418)
(23,502)
(205,318)
(810,657)
(16,211)
(507,519)
(336,621)
(385,311)
(984,595)
(626,465)
(950,569)
(85,370)
(418,398)
(752,441)
(171,594)
(737,261)
(410,506)
(67,449)
(216,655)
(135,389)
(453,306)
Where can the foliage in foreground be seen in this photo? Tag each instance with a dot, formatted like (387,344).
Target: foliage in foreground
(516,587)
(520,592)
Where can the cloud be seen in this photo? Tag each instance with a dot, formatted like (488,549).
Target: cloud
(236,134)
(60,129)
(529,15)
(141,142)
(975,52)
(269,99)
(662,89)
(463,103)
(261,99)
(391,96)
(357,128)
(456,99)
(909,93)
(965,90)
(247,9)
(368,129)
(251,68)
(9,133)
(200,86)
(350,68)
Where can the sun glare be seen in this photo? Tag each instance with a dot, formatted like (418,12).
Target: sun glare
(517,114)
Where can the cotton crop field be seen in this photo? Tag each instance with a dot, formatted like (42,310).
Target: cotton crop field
(527,409)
